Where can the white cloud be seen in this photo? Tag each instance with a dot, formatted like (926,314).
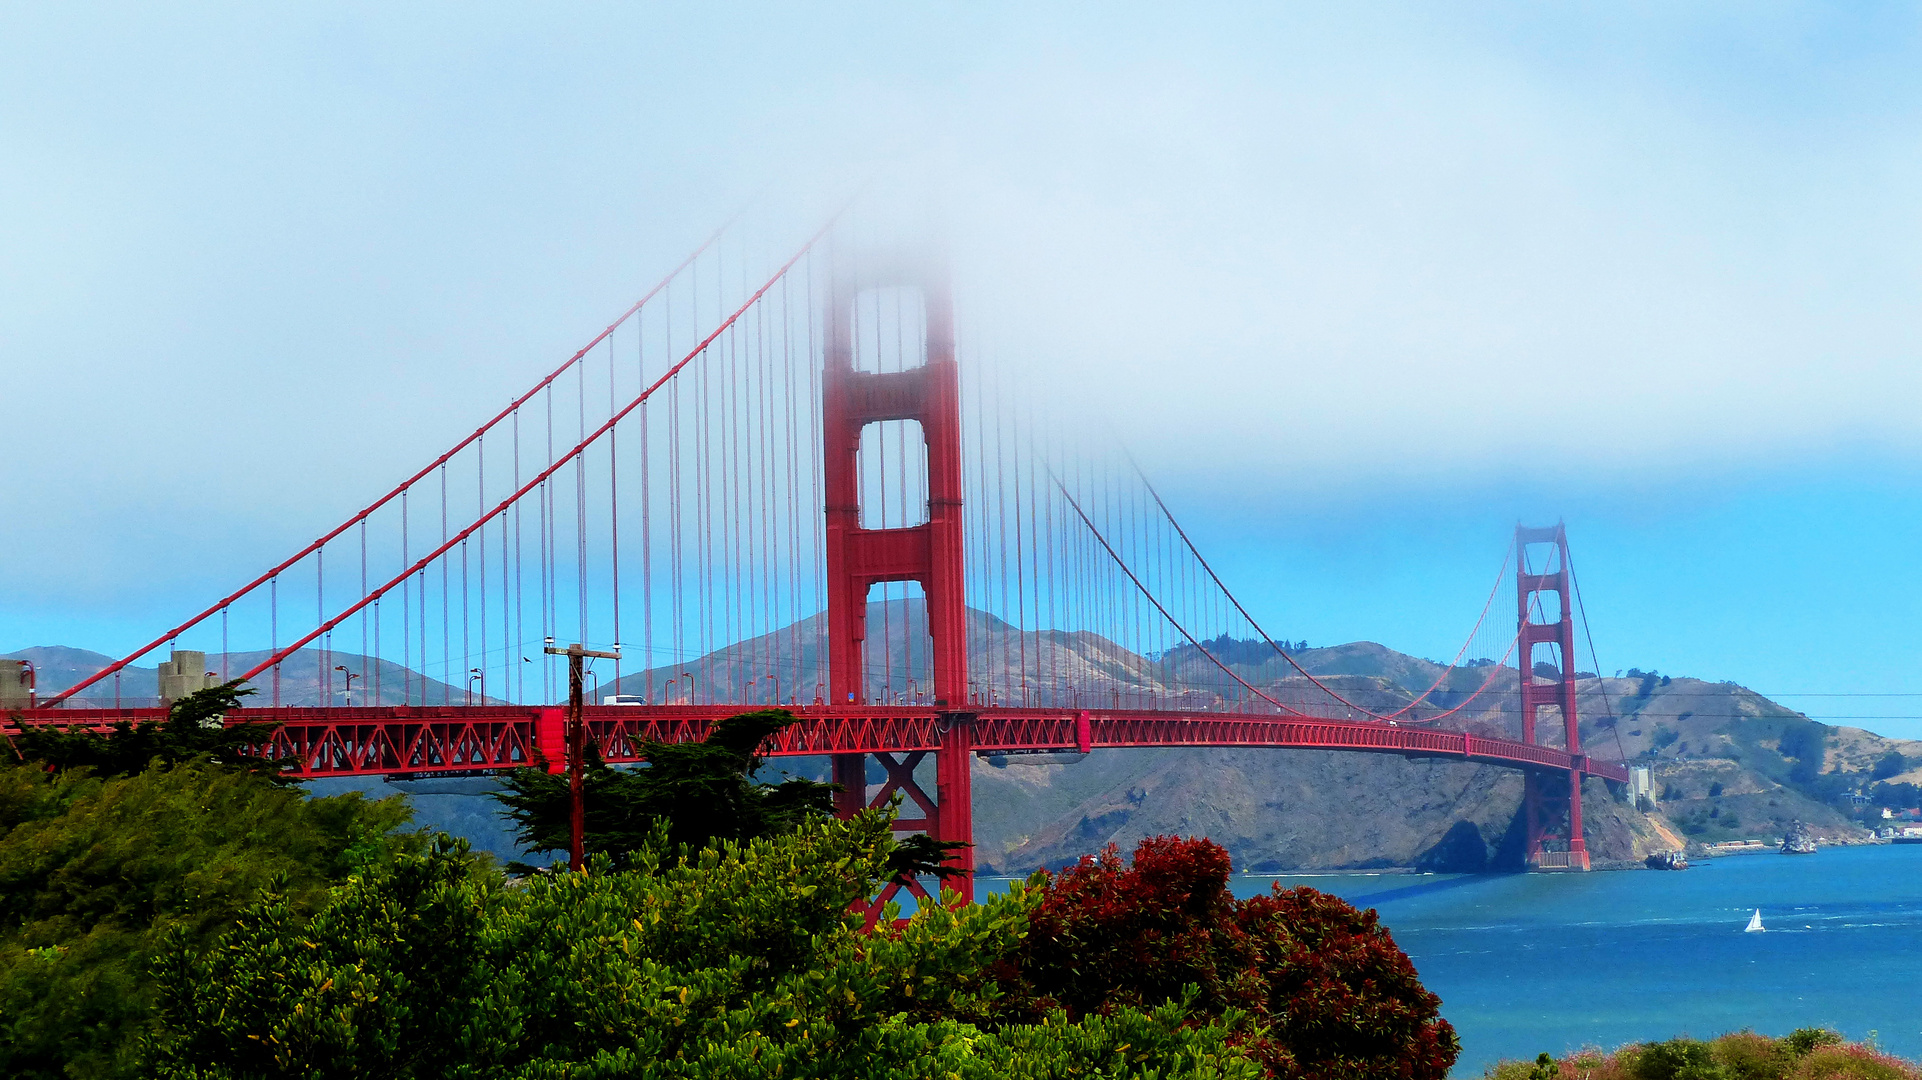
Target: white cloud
(270,265)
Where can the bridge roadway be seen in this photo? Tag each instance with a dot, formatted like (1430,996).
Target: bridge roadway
(440,739)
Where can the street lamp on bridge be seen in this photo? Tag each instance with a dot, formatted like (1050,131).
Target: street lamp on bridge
(348,693)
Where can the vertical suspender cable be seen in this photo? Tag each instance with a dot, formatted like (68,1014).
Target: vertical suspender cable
(550,555)
(614,513)
(704,503)
(520,561)
(480,547)
(324,671)
(366,657)
(273,637)
(816,515)
(647,528)
(793,497)
(676,566)
(769,530)
(580,506)
(446,603)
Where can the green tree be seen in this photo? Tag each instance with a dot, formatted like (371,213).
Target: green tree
(1806,742)
(1889,764)
(1678,1059)
(698,792)
(95,870)
(1896,795)
(194,730)
(742,958)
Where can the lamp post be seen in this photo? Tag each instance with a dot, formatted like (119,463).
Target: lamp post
(351,676)
(472,674)
(687,684)
(777,686)
(577,655)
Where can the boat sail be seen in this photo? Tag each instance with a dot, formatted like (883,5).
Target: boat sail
(1754,923)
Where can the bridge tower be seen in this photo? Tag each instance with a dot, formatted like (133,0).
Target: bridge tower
(929,554)
(1532,598)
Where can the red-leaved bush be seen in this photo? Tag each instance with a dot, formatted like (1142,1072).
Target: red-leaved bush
(1339,1000)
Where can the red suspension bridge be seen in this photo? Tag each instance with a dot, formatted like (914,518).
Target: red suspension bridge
(783,478)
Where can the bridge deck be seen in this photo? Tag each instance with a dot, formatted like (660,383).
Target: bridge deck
(441,739)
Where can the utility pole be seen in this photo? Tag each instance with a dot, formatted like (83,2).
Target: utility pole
(576,656)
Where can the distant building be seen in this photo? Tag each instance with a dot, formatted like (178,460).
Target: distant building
(185,673)
(1640,784)
(16,684)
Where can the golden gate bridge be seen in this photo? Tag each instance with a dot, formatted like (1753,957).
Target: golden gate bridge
(783,478)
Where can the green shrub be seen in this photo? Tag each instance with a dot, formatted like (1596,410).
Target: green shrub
(1592,1063)
(1805,1054)
(1678,1059)
(1744,1055)
(740,959)
(1509,1069)
(1851,1061)
(95,872)
(1802,1040)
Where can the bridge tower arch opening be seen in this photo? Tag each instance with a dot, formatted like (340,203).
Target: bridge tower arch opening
(1546,628)
(858,394)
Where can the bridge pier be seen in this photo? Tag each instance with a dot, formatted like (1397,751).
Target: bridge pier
(945,814)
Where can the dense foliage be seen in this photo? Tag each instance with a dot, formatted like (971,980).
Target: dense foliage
(196,918)
(192,731)
(1807,1054)
(1337,998)
(95,870)
(740,959)
(698,792)
(1806,742)
(1889,764)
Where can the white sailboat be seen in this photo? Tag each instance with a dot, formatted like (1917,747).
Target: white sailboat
(1754,923)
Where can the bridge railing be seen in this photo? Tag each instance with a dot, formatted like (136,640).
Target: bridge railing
(432,739)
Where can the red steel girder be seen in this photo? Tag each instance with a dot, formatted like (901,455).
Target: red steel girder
(432,739)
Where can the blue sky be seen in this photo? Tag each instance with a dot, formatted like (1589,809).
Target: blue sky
(1365,284)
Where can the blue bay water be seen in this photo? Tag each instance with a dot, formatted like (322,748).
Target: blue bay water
(1530,962)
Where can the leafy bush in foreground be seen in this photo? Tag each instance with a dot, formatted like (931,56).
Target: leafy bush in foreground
(1337,998)
(739,959)
(1806,1054)
(95,871)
